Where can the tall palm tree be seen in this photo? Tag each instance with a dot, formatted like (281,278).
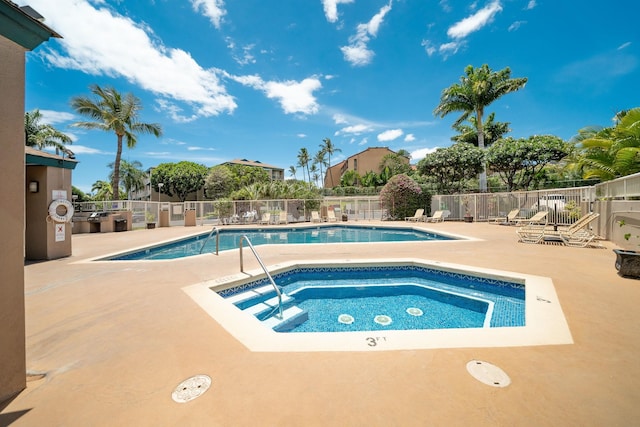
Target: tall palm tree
(110,111)
(303,161)
(41,135)
(329,148)
(320,160)
(292,171)
(477,89)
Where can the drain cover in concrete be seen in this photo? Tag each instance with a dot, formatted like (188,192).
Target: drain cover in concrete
(191,388)
(488,374)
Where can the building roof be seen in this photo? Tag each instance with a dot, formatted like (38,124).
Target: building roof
(35,157)
(23,25)
(254,163)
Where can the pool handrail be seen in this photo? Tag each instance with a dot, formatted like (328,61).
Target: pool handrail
(209,237)
(264,268)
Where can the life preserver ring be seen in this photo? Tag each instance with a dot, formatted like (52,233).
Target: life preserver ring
(53,210)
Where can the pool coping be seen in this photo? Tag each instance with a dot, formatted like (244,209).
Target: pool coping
(545,320)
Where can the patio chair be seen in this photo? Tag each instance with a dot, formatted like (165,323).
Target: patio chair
(438,216)
(280,218)
(315,216)
(576,234)
(536,219)
(266,218)
(331,216)
(416,216)
(510,219)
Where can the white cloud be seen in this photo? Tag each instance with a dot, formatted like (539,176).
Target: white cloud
(212,9)
(331,8)
(409,138)
(421,153)
(475,22)
(531,4)
(51,117)
(99,41)
(390,135)
(428,47)
(357,53)
(363,142)
(450,48)
(516,25)
(624,45)
(200,149)
(355,129)
(444,4)
(301,135)
(82,149)
(293,96)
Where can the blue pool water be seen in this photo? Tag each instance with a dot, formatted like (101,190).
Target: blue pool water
(342,299)
(230,239)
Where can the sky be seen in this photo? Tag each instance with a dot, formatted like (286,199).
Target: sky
(261,79)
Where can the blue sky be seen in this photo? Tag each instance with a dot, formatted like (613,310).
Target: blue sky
(260,79)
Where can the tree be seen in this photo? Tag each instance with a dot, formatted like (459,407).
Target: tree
(110,111)
(219,182)
(519,161)
(396,163)
(329,148)
(303,162)
(41,135)
(450,168)
(292,171)
(179,179)
(493,131)
(401,196)
(102,190)
(608,153)
(321,161)
(477,89)
(132,177)
(350,178)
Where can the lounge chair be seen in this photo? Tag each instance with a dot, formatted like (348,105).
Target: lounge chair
(511,217)
(416,216)
(266,218)
(438,216)
(575,235)
(280,218)
(315,216)
(331,216)
(538,219)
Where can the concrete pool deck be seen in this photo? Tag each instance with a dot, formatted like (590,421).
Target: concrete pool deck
(115,339)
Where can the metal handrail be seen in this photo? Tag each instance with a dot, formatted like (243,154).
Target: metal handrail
(209,237)
(243,238)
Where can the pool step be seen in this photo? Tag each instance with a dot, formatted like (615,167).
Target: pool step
(255,296)
(291,317)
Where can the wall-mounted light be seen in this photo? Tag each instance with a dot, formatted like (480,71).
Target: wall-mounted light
(34,186)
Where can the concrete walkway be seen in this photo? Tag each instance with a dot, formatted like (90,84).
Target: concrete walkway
(114,339)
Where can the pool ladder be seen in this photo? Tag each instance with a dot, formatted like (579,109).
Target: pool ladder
(209,237)
(273,283)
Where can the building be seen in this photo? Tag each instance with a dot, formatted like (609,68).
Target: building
(362,162)
(21,30)
(275,173)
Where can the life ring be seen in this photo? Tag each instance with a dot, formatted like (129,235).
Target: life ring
(53,210)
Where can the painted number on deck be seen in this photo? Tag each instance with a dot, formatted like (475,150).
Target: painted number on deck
(373,341)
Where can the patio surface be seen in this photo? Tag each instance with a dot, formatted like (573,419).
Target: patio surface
(115,339)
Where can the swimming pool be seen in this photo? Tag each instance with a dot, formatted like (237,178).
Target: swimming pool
(372,298)
(537,321)
(230,239)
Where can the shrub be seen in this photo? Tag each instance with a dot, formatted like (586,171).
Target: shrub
(401,196)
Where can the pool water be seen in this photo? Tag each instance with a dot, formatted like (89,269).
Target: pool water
(344,299)
(230,239)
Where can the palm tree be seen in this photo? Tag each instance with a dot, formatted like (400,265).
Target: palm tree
(132,177)
(492,130)
(329,148)
(292,171)
(477,89)
(112,112)
(103,190)
(611,152)
(303,161)
(43,135)
(321,161)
